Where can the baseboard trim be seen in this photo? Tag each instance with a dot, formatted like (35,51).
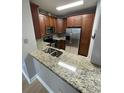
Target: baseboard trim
(44,84)
(27,78)
(34,78)
(39,79)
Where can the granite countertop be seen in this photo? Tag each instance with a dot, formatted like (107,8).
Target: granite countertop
(58,38)
(41,44)
(86,78)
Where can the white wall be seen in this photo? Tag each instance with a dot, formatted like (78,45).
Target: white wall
(28,35)
(96,53)
(95,27)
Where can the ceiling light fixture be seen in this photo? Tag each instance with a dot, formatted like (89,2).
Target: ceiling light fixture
(70,5)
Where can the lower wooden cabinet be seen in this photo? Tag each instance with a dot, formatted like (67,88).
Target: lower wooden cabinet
(60,44)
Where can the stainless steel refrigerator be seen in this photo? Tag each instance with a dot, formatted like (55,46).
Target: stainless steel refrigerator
(72,40)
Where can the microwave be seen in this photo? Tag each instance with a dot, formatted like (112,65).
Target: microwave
(50,30)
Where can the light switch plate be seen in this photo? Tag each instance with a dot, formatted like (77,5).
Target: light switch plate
(25,41)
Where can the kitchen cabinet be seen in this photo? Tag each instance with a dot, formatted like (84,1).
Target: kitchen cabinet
(47,21)
(74,21)
(35,18)
(46,18)
(65,24)
(51,22)
(87,24)
(42,24)
(55,24)
(60,25)
(60,44)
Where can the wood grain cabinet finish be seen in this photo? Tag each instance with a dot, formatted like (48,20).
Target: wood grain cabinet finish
(47,23)
(61,44)
(55,24)
(51,21)
(42,24)
(70,21)
(35,18)
(64,24)
(87,24)
(74,21)
(60,25)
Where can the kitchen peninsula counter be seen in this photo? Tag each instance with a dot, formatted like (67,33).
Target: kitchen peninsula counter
(86,77)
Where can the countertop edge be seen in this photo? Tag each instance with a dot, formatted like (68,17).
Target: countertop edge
(57,74)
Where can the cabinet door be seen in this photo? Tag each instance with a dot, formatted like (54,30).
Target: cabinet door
(74,21)
(61,44)
(35,18)
(87,24)
(59,25)
(51,21)
(46,18)
(42,24)
(64,24)
(54,24)
(69,21)
(77,20)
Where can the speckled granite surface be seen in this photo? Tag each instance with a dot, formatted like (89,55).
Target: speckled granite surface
(58,38)
(41,44)
(86,79)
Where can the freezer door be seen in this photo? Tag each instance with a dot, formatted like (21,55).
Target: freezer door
(76,33)
(68,31)
(68,36)
(75,38)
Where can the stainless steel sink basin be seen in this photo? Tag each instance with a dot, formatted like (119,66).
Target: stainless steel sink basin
(56,53)
(53,52)
(49,50)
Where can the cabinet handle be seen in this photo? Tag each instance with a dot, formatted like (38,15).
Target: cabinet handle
(93,37)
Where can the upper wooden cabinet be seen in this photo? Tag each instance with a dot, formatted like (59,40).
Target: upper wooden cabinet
(87,25)
(42,24)
(60,25)
(64,24)
(51,21)
(35,18)
(55,23)
(74,21)
(47,23)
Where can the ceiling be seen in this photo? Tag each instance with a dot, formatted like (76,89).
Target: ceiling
(50,5)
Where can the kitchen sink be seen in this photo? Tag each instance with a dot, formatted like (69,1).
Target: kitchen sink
(56,53)
(53,52)
(49,50)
